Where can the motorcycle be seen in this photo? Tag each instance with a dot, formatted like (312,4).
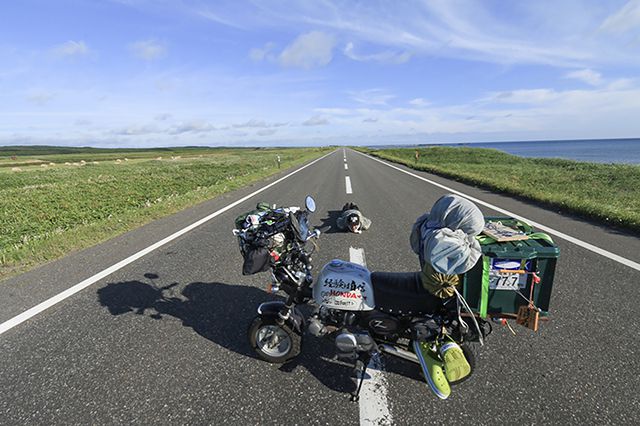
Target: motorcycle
(367,315)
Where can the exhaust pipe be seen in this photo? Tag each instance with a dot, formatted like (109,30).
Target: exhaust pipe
(400,353)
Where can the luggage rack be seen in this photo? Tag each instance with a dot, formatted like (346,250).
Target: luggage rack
(498,285)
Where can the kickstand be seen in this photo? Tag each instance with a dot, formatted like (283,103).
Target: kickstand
(355,397)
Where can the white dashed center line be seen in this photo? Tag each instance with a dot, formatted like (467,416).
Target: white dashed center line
(374,409)
(356,255)
(346,167)
(347,183)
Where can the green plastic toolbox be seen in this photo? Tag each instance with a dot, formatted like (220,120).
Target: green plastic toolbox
(491,289)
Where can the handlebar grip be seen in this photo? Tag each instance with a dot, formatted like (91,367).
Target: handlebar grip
(314,234)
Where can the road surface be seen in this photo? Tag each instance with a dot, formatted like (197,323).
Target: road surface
(161,339)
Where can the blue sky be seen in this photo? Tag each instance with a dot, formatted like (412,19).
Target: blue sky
(124,73)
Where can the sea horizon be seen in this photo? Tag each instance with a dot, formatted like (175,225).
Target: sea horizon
(615,150)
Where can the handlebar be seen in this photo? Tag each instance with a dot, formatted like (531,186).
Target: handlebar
(314,234)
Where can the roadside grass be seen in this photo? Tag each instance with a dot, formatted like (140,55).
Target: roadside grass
(608,193)
(47,212)
(41,155)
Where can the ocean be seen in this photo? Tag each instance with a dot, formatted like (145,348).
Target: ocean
(595,151)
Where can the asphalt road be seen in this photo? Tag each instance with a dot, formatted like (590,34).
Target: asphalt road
(162,340)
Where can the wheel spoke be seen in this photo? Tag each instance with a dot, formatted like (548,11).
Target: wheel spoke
(273,341)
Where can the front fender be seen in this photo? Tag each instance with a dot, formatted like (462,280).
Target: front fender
(272,309)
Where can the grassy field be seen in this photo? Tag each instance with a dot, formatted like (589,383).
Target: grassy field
(609,193)
(18,156)
(54,202)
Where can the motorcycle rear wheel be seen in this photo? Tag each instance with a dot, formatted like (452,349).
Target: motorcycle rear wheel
(273,342)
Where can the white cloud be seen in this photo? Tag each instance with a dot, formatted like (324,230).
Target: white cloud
(316,120)
(253,123)
(196,126)
(162,117)
(465,29)
(563,34)
(419,102)
(588,76)
(71,48)
(148,50)
(524,114)
(165,84)
(517,114)
(264,53)
(371,97)
(266,132)
(214,17)
(627,18)
(40,97)
(135,130)
(387,57)
(621,84)
(310,50)
(335,111)
(525,96)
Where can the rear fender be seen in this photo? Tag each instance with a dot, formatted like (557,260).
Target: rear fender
(272,309)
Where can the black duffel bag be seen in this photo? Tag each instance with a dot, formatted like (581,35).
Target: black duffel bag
(257,257)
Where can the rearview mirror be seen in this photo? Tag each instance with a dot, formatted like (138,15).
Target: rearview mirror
(310,203)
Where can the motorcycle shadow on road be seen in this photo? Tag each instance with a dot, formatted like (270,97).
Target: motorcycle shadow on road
(216,311)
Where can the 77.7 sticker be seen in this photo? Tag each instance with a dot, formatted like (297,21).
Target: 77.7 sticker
(501,277)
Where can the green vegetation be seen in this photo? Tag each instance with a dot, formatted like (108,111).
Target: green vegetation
(607,192)
(54,203)
(13,156)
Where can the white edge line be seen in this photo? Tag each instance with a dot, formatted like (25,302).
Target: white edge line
(19,319)
(580,243)
(347,183)
(373,405)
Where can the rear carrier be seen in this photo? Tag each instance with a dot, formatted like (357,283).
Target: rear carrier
(514,277)
(345,286)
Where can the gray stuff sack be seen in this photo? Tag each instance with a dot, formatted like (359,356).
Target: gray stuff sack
(445,237)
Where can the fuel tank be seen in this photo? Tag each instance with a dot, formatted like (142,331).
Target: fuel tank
(345,286)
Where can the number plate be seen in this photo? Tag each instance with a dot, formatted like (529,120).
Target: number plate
(500,279)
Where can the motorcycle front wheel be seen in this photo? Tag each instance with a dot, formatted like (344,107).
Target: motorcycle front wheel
(273,342)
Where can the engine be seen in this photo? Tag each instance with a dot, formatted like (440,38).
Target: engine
(349,338)
(350,343)
(326,321)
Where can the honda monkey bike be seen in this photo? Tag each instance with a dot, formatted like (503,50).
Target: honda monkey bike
(365,314)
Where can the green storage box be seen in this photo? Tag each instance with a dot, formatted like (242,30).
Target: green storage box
(535,255)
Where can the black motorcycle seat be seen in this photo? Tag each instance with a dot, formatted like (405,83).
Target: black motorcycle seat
(402,293)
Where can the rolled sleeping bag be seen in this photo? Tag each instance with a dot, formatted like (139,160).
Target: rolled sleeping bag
(445,236)
(451,252)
